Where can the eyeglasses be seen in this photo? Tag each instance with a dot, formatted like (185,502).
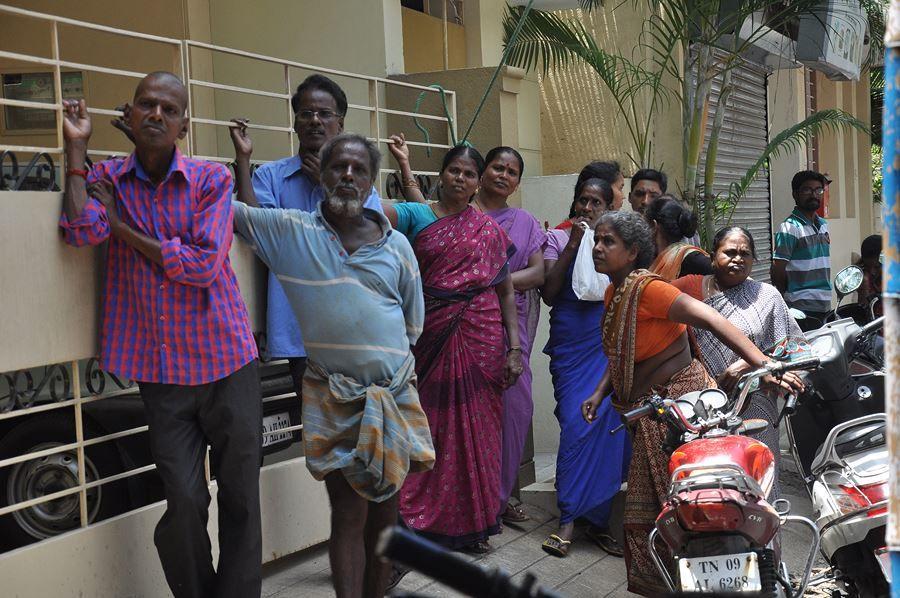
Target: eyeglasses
(812,191)
(324,115)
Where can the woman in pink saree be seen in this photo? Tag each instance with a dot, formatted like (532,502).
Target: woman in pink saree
(462,360)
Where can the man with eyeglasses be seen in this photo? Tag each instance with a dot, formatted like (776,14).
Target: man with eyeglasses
(646,185)
(801,264)
(319,106)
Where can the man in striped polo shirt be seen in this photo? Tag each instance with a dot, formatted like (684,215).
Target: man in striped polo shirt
(801,264)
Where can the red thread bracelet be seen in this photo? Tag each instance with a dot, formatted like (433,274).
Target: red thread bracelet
(77,172)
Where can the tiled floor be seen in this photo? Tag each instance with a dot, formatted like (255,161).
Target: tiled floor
(587,571)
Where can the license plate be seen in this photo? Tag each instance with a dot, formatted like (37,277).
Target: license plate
(721,573)
(884,560)
(273,423)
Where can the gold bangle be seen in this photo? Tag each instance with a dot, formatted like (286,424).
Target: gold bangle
(410,183)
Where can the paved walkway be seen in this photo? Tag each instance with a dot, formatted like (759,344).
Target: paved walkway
(587,571)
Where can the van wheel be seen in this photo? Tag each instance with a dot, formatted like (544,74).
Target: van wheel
(54,473)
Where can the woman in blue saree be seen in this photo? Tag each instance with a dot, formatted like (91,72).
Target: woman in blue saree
(592,462)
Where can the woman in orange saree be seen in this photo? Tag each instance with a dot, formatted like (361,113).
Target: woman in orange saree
(645,338)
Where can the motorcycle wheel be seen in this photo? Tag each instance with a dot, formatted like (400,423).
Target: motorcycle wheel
(861,573)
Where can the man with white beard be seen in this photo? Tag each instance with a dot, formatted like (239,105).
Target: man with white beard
(319,107)
(354,285)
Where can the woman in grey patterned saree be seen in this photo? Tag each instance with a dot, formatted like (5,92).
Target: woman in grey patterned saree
(756,308)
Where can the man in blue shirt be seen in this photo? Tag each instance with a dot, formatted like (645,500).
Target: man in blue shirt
(319,106)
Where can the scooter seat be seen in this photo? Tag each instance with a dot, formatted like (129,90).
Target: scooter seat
(846,439)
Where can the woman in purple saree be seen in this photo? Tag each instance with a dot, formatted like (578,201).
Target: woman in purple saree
(462,361)
(503,171)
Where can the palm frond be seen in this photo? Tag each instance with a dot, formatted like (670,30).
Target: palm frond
(546,39)
(792,139)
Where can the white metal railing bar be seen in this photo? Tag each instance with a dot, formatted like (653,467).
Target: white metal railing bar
(115,436)
(417,143)
(77,66)
(55,107)
(62,448)
(101,69)
(26,104)
(414,114)
(27,58)
(235,88)
(290,111)
(39,500)
(36,409)
(105,153)
(67,21)
(120,476)
(184,54)
(231,125)
(222,160)
(67,403)
(425,172)
(310,67)
(31,149)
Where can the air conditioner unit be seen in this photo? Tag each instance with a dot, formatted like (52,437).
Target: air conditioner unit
(768,47)
(833,39)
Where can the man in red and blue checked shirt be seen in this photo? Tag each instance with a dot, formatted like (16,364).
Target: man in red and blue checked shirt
(174,321)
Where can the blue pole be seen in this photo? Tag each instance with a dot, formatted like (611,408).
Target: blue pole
(891,278)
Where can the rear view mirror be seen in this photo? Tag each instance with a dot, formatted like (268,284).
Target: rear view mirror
(848,280)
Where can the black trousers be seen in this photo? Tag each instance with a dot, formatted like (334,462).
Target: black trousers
(227,416)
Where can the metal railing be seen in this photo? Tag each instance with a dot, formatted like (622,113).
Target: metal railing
(183,52)
(76,385)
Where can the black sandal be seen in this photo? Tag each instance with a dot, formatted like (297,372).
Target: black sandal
(605,541)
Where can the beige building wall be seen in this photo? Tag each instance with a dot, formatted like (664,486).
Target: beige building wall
(579,117)
(508,116)
(484,32)
(423,43)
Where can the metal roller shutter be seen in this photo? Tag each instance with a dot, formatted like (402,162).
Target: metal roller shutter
(742,140)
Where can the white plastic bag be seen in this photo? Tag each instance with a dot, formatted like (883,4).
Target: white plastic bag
(588,284)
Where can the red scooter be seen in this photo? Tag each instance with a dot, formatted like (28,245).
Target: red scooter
(717,522)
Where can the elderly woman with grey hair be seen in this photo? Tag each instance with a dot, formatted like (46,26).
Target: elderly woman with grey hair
(645,338)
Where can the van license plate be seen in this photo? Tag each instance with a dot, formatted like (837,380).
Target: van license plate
(273,423)
(721,573)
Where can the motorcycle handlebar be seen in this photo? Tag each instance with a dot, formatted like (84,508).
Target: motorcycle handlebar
(635,414)
(871,327)
(779,367)
(454,571)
